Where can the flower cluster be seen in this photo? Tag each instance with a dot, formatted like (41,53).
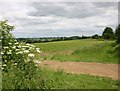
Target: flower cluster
(12,51)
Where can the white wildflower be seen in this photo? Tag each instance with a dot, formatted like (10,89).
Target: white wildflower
(24,46)
(5,47)
(9,52)
(15,63)
(19,46)
(4,64)
(10,43)
(28,44)
(26,51)
(19,52)
(38,50)
(37,62)
(17,49)
(16,43)
(2,53)
(30,55)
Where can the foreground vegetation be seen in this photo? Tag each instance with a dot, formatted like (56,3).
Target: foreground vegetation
(49,79)
(62,80)
(87,50)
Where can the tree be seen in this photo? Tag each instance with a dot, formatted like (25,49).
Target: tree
(117,34)
(108,33)
(96,36)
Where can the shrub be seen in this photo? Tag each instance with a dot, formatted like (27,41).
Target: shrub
(19,70)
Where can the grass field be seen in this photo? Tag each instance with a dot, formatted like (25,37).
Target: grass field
(86,50)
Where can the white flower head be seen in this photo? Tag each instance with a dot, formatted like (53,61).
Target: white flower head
(6,47)
(26,51)
(19,46)
(30,55)
(4,65)
(19,52)
(9,52)
(2,53)
(24,46)
(17,49)
(15,63)
(10,43)
(16,43)
(38,50)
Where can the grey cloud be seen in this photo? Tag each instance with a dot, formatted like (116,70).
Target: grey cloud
(45,9)
(106,4)
(70,10)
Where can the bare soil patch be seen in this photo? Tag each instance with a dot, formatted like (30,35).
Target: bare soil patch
(92,68)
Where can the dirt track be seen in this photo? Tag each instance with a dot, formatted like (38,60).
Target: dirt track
(100,69)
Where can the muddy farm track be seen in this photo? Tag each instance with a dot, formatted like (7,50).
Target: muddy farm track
(92,68)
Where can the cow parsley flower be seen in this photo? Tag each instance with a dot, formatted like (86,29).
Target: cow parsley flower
(14,47)
(9,52)
(10,43)
(5,47)
(26,51)
(30,55)
(38,50)
(2,53)
(4,64)
(16,43)
(19,52)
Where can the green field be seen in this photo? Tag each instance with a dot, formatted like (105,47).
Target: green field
(86,50)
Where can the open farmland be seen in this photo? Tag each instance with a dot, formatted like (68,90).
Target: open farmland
(87,50)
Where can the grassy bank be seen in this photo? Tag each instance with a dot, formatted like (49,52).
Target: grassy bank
(62,80)
(49,79)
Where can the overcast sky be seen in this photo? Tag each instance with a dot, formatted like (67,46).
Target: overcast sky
(39,19)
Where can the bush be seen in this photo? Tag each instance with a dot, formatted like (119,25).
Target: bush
(108,33)
(19,70)
(117,34)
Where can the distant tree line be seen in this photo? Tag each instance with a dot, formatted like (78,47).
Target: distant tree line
(50,39)
(108,34)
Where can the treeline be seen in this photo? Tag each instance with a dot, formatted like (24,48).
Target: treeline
(51,39)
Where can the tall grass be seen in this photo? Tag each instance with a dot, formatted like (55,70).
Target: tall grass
(59,79)
(49,79)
